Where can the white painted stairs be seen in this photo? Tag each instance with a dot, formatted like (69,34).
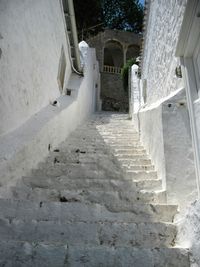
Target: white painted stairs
(95,201)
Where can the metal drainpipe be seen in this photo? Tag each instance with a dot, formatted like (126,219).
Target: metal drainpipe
(74,34)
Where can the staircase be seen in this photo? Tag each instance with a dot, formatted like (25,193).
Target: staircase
(95,201)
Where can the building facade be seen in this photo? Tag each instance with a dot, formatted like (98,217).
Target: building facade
(114,48)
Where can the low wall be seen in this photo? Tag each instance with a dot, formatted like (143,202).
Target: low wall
(189,232)
(165,133)
(179,157)
(149,123)
(25,147)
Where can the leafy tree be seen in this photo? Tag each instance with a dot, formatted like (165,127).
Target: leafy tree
(95,15)
(88,14)
(123,15)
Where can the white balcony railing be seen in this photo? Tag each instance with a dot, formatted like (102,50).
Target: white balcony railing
(112,69)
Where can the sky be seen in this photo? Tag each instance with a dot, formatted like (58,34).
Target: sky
(142,2)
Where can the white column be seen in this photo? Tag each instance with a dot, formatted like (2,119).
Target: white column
(135,89)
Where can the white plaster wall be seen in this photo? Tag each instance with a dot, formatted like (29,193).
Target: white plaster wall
(149,123)
(135,97)
(179,157)
(189,232)
(159,62)
(32,34)
(23,148)
(165,133)
(197,117)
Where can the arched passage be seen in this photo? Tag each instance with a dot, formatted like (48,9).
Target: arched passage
(113,54)
(113,96)
(132,52)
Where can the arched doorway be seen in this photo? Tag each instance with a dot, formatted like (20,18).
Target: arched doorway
(132,52)
(114,98)
(113,56)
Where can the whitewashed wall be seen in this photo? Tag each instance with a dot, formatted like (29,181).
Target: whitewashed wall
(23,148)
(164,120)
(32,34)
(159,62)
(165,133)
(189,232)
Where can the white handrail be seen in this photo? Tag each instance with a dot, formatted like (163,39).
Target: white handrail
(112,69)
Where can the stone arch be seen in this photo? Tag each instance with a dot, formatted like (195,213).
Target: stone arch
(113,54)
(132,51)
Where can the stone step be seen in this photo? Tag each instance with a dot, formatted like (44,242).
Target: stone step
(117,129)
(114,132)
(82,153)
(90,145)
(84,142)
(81,158)
(115,145)
(26,254)
(91,164)
(96,160)
(140,175)
(78,171)
(70,211)
(45,180)
(118,125)
(138,167)
(151,184)
(121,139)
(125,156)
(120,131)
(129,151)
(75,158)
(99,144)
(83,149)
(98,196)
(93,234)
(128,257)
(137,161)
(74,183)
(94,184)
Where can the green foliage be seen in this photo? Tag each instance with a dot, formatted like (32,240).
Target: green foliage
(123,15)
(113,14)
(125,72)
(88,14)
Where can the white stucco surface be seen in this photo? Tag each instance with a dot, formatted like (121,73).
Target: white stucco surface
(32,35)
(83,47)
(179,157)
(165,133)
(135,96)
(189,232)
(159,62)
(197,117)
(149,123)
(22,149)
